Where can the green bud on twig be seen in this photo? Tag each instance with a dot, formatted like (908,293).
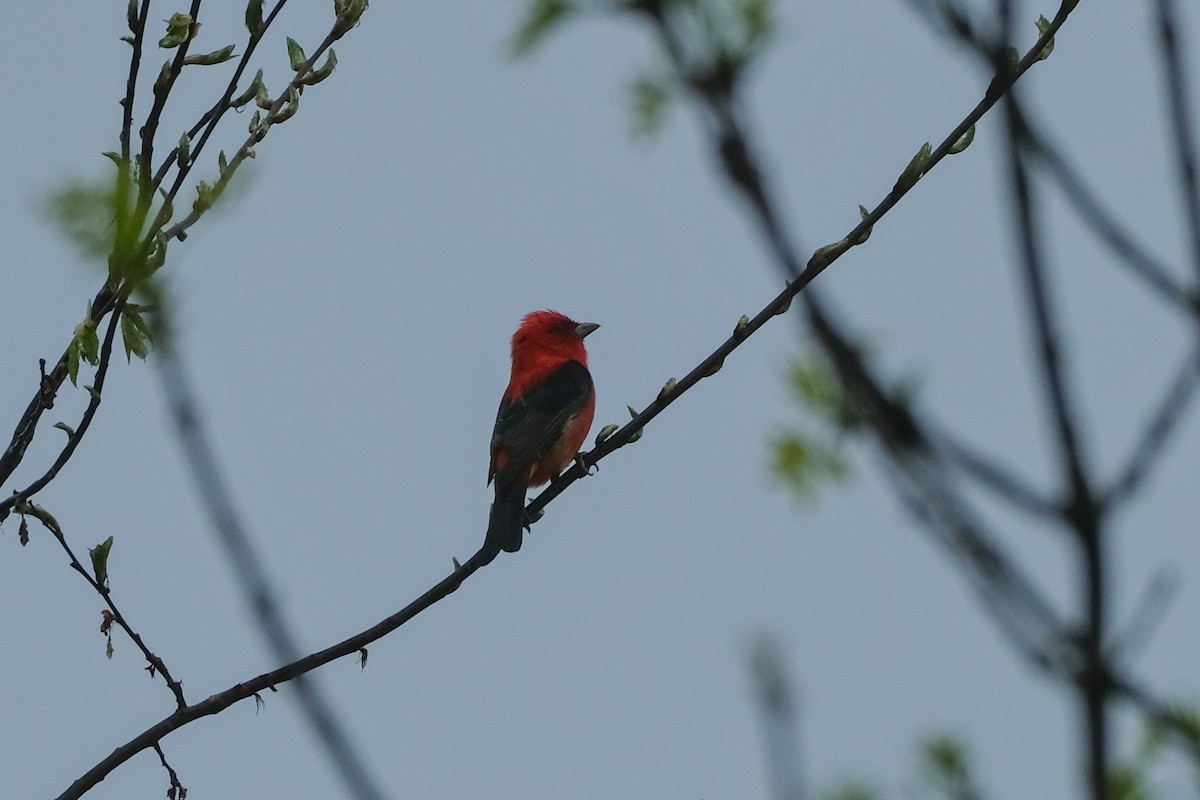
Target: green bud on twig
(163,81)
(250,93)
(295,54)
(668,388)
(715,368)
(62,426)
(208,59)
(605,432)
(740,327)
(824,255)
(290,107)
(184,149)
(963,142)
(131,15)
(915,169)
(1043,25)
(322,72)
(254,17)
(348,13)
(866,232)
(638,434)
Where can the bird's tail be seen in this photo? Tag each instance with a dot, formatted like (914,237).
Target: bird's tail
(507,520)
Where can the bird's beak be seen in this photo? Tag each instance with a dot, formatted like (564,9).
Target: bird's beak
(584,328)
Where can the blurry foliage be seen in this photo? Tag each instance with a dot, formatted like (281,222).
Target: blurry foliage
(804,460)
(86,212)
(946,768)
(852,791)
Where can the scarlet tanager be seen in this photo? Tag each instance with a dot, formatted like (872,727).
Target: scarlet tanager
(544,417)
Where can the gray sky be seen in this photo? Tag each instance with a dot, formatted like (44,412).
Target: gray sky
(347,325)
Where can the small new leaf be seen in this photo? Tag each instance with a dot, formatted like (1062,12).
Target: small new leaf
(295,54)
(184,150)
(866,232)
(254,17)
(99,556)
(290,107)
(963,141)
(179,29)
(208,59)
(131,15)
(250,93)
(650,101)
(540,19)
(1043,25)
(136,335)
(73,362)
(348,13)
(637,434)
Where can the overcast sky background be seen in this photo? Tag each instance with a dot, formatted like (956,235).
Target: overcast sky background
(347,325)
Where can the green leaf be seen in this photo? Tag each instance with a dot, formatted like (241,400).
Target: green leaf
(108,648)
(179,30)
(254,17)
(963,141)
(209,59)
(99,556)
(295,54)
(136,334)
(89,340)
(184,149)
(541,17)
(650,101)
(131,15)
(1043,25)
(804,464)
(852,791)
(73,362)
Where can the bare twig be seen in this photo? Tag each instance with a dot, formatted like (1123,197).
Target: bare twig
(175,791)
(991,475)
(155,664)
(247,689)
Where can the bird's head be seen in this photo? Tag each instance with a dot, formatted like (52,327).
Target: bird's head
(549,334)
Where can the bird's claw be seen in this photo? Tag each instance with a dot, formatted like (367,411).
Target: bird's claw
(583,465)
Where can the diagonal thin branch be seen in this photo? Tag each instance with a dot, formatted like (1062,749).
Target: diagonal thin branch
(155,663)
(1176,80)
(76,436)
(1157,433)
(993,476)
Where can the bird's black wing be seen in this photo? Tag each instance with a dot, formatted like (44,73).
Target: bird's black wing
(528,427)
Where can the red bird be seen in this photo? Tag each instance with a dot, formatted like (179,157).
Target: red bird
(544,417)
